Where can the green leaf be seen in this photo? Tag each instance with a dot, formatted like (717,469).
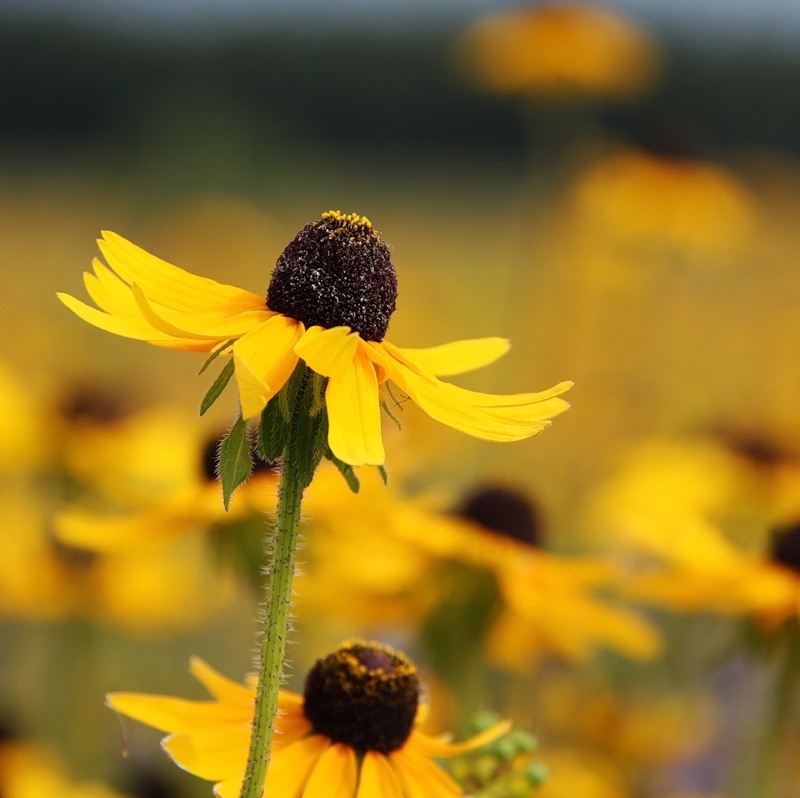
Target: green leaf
(215,354)
(346,470)
(235,459)
(218,387)
(384,473)
(273,431)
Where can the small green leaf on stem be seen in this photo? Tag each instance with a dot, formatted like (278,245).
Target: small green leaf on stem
(235,459)
(217,388)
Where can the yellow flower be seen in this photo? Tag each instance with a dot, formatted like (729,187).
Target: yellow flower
(715,530)
(350,735)
(565,49)
(27,771)
(329,301)
(643,198)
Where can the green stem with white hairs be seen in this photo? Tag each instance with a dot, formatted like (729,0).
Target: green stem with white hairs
(299,462)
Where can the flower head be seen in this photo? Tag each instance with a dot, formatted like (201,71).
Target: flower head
(332,293)
(350,735)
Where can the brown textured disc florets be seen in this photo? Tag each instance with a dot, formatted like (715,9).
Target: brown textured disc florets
(786,547)
(364,695)
(504,511)
(336,272)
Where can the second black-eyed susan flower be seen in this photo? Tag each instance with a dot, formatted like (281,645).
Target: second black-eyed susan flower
(352,734)
(329,302)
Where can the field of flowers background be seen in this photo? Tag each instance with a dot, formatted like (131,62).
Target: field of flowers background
(639,237)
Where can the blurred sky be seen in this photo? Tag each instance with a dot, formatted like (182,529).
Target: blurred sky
(709,21)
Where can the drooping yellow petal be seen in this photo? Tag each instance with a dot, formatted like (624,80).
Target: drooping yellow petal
(169,285)
(160,323)
(354,414)
(458,356)
(328,352)
(264,359)
(378,779)
(229,788)
(422,778)
(212,755)
(290,768)
(127,327)
(488,416)
(439,747)
(334,776)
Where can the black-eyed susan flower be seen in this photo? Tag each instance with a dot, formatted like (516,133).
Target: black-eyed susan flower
(329,301)
(352,734)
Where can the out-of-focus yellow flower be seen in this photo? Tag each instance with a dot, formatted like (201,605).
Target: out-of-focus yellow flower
(573,773)
(352,733)
(381,555)
(151,476)
(329,302)
(27,771)
(21,439)
(563,50)
(649,200)
(699,513)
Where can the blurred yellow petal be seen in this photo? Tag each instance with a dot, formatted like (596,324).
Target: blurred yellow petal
(221,687)
(422,778)
(354,414)
(377,778)
(438,747)
(288,773)
(458,356)
(211,755)
(328,352)
(334,776)
(264,360)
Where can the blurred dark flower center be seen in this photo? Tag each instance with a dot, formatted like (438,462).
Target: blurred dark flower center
(336,272)
(364,695)
(504,511)
(786,547)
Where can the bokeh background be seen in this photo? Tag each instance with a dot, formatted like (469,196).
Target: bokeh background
(618,192)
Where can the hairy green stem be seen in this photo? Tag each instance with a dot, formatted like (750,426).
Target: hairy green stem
(276,614)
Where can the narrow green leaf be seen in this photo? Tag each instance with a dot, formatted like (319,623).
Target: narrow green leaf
(346,470)
(215,354)
(273,431)
(384,474)
(218,387)
(235,459)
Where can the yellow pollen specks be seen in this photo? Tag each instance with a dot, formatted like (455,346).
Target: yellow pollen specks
(349,219)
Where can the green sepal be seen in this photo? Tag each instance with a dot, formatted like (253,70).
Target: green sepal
(215,354)
(346,470)
(384,474)
(289,394)
(310,438)
(235,459)
(217,388)
(273,431)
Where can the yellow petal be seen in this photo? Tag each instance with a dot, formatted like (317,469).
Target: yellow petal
(212,755)
(264,360)
(354,414)
(328,352)
(177,714)
(488,416)
(169,285)
(458,356)
(290,767)
(438,747)
(128,327)
(422,778)
(335,774)
(378,779)
(229,788)
(161,324)
(219,686)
